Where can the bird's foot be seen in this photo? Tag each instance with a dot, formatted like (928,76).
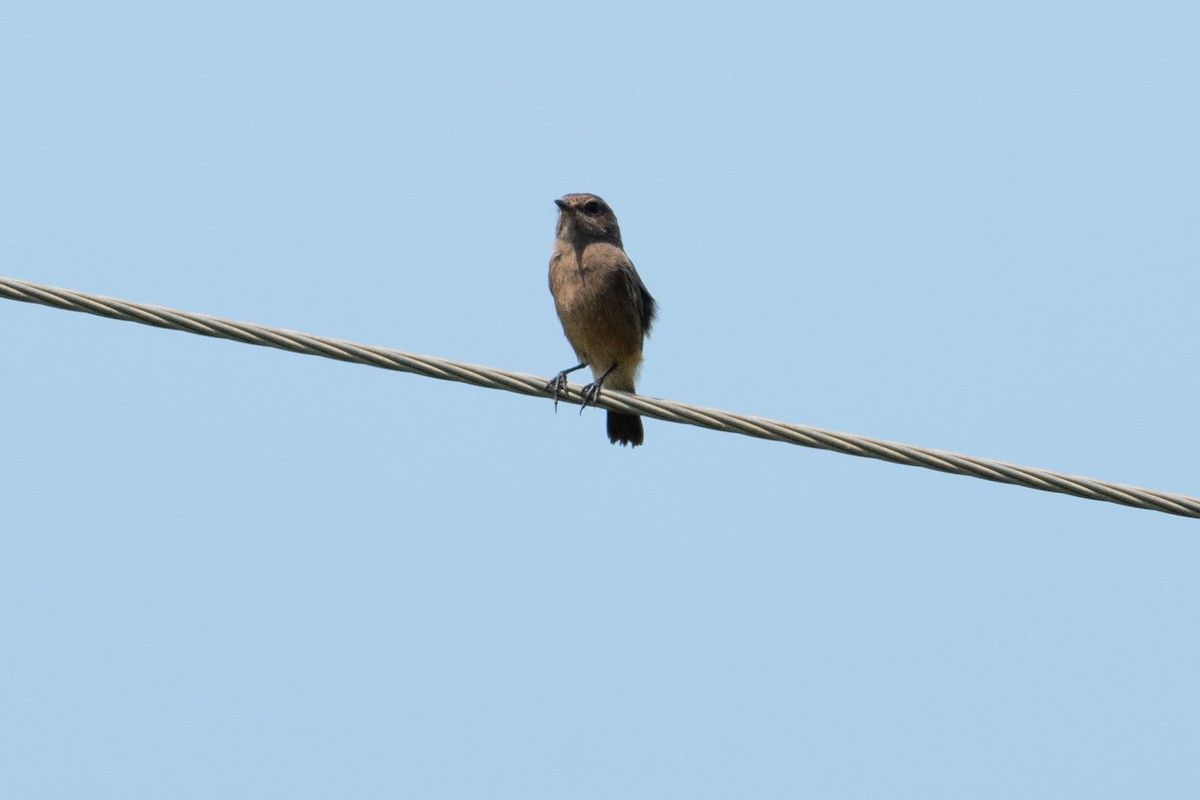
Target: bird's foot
(557,387)
(591,393)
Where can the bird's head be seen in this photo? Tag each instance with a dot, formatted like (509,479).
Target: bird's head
(586,217)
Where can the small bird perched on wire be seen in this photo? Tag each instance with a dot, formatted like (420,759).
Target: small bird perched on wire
(602,304)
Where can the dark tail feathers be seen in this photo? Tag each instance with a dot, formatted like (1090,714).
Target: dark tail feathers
(625,429)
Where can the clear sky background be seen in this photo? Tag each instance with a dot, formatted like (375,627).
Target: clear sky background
(229,571)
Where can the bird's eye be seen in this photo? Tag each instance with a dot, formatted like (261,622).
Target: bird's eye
(592,207)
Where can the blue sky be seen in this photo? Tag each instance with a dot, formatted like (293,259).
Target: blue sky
(232,571)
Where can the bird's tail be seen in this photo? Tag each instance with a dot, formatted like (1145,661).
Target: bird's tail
(625,429)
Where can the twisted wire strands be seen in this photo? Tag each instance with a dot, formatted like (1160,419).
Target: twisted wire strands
(669,411)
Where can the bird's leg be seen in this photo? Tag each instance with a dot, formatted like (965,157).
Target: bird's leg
(558,384)
(591,392)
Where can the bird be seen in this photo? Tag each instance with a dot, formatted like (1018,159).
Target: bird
(605,310)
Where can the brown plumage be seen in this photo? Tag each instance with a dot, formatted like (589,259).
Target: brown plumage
(603,305)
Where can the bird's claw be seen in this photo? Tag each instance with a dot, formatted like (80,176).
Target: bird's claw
(591,393)
(557,387)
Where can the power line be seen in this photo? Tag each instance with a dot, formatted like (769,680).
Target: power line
(667,410)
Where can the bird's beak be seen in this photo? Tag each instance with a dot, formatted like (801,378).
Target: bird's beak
(562,206)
